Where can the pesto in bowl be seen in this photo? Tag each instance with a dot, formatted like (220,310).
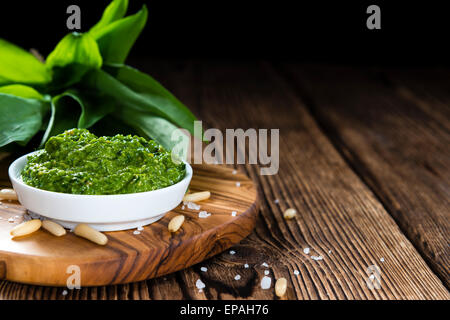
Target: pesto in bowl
(79,162)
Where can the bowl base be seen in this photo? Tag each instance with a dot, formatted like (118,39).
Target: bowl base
(116,226)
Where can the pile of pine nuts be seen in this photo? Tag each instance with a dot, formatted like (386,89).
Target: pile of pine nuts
(176,222)
(82,230)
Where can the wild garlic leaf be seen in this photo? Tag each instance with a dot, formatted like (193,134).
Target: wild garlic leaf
(20,118)
(76,109)
(94,106)
(21,90)
(114,11)
(20,66)
(72,57)
(149,125)
(116,39)
(140,92)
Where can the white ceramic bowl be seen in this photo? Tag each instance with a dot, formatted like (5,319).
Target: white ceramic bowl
(102,212)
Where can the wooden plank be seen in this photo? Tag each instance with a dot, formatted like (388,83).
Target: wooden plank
(395,132)
(338,218)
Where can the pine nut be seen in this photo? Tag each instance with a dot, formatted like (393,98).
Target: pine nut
(26,228)
(197,196)
(176,223)
(281,287)
(8,194)
(84,231)
(53,228)
(289,213)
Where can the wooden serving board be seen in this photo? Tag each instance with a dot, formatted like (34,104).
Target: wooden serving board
(44,259)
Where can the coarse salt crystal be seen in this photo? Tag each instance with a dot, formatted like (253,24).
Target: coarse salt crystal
(306,250)
(266,282)
(296,272)
(276,201)
(232,252)
(238,184)
(266,272)
(11,220)
(238,277)
(199,284)
(64,292)
(182,207)
(204,269)
(382,259)
(234,171)
(140,228)
(317,258)
(192,205)
(265,264)
(136,232)
(329,251)
(246,266)
(203,214)
(233,213)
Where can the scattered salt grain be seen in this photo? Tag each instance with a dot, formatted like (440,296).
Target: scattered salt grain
(238,277)
(232,252)
(246,266)
(266,272)
(329,251)
(199,284)
(192,205)
(234,171)
(306,250)
(16,217)
(265,264)
(296,272)
(182,207)
(233,213)
(64,293)
(136,232)
(238,184)
(266,282)
(203,214)
(382,259)
(276,201)
(204,269)
(11,220)
(317,258)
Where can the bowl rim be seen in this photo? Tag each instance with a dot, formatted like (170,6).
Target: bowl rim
(18,180)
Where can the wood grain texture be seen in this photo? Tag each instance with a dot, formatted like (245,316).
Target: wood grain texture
(394,129)
(43,259)
(338,216)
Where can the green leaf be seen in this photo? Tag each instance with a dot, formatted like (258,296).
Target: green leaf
(114,11)
(149,125)
(141,93)
(72,57)
(64,113)
(20,118)
(116,39)
(20,66)
(23,91)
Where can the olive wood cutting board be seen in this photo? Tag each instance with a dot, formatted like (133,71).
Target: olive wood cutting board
(43,259)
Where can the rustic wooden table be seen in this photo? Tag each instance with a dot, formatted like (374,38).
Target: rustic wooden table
(365,159)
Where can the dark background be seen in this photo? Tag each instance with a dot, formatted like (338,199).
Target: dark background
(334,31)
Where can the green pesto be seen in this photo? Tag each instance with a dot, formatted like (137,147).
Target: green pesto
(79,162)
